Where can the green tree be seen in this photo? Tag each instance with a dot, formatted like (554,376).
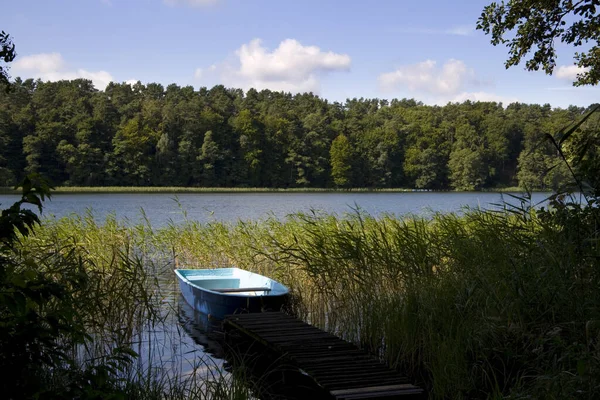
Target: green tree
(540,166)
(526,26)
(134,151)
(252,144)
(210,157)
(467,163)
(427,150)
(341,161)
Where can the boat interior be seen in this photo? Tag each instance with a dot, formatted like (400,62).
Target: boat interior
(233,281)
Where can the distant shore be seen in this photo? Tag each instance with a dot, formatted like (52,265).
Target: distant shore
(175,189)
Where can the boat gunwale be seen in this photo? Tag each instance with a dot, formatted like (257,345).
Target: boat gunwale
(269,294)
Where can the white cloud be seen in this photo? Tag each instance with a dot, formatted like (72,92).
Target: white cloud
(42,63)
(453,81)
(425,77)
(483,96)
(131,81)
(191,3)
(52,67)
(459,30)
(291,67)
(574,88)
(201,72)
(569,72)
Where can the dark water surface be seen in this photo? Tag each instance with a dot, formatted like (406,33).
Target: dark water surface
(163,208)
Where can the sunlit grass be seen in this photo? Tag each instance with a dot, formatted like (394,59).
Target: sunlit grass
(477,305)
(128,302)
(460,303)
(179,189)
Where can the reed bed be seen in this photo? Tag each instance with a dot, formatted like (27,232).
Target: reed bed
(477,305)
(182,189)
(133,346)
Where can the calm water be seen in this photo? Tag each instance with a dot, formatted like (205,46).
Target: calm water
(163,208)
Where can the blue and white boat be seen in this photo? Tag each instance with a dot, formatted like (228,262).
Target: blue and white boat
(222,291)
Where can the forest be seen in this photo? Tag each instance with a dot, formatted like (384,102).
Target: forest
(149,135)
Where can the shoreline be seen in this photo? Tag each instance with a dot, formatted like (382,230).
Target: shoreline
(175,189)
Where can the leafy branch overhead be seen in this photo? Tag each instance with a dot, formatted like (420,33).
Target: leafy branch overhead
(7,54)
(533,26)
(17,219)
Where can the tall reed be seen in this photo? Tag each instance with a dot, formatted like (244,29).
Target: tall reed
(485,304)
(478,305)
(133,344)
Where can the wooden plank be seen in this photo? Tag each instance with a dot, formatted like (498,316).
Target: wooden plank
(325,352)
(285,328)
(340,381)
(375,389)
(339,360)
(268,319)
(337,370)
(295,337)
(351,384)
(358,376)
(315,358)
(298,330)
(373,375)
(341,385)
(330,341)
(265,316)
(266,325)
(336,367)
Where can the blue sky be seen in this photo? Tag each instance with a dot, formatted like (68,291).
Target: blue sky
(427,50)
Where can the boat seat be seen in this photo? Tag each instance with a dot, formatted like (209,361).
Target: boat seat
(241,290)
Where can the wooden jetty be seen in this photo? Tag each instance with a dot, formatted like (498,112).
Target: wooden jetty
(339,368)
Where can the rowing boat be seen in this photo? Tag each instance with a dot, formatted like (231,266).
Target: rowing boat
(222,291)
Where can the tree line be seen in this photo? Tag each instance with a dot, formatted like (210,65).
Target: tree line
(148,135)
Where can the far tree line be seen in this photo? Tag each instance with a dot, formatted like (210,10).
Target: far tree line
(148,135)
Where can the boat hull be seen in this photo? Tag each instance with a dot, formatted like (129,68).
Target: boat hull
(218,305)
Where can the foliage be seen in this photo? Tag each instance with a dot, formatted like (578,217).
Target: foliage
(7,54)
(147,135)
(48,309)
(341,159)
(534,25)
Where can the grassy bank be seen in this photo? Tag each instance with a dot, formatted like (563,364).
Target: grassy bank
(178,189)
(482,305)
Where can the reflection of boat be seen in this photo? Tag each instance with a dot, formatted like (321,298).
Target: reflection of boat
(203,331)
(218,292)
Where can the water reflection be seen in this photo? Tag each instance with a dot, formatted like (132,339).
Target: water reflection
(203,331)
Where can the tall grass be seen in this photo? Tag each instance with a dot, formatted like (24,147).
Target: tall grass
(486,304)
(478,305)
(183,189)
(133,345)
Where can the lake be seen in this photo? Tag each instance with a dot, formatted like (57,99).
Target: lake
(164,208)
